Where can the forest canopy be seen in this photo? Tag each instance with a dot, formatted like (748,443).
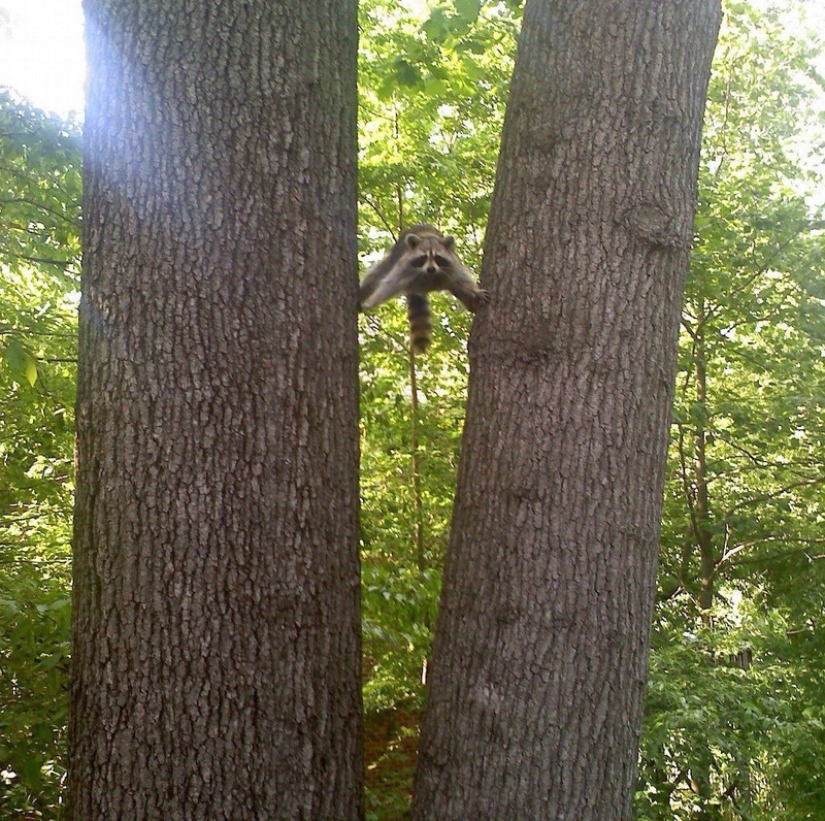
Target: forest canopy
(735,710)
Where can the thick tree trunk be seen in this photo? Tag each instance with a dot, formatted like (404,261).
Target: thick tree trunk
(216,669)
(536,685)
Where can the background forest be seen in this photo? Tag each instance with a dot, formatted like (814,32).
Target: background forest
(735,718)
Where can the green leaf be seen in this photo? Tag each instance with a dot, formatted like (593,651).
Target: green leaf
(407,74)
(437,27)
(21,361)
(468,9)
(31,370)
(16,355)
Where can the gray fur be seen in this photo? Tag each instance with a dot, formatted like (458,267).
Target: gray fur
(422,260)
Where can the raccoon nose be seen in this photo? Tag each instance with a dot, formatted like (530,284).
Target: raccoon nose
(431,268)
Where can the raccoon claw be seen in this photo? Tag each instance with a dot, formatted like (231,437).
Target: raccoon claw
(480,298)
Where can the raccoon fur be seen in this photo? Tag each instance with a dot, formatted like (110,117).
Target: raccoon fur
(422,260)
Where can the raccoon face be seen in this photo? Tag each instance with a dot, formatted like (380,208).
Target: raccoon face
(431,259)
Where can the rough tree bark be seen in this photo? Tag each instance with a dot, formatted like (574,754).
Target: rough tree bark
(216,666)
(534,701)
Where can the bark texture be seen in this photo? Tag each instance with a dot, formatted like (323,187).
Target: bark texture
(535,693)
(216,670)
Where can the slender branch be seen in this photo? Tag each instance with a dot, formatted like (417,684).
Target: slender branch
(767,539)
(58,263)
(9,330)
(767,497)
(416,466)
(380,214)
(24,201)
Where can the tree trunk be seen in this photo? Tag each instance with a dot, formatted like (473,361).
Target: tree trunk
(534,702)
(701,520)
(216,666)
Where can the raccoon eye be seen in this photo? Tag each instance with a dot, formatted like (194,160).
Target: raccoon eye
(418,262)
(442,262)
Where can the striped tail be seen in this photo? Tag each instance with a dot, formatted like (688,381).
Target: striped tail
(421,322)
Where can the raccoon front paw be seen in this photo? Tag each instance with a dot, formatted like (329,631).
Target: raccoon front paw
(482,297)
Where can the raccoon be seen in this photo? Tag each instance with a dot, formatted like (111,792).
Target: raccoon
(422,260)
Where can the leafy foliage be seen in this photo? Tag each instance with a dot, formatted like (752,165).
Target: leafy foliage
(733,709)
(39,263)
(34,650)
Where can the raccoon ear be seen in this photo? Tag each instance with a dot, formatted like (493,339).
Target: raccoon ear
(448,243)
(412,240)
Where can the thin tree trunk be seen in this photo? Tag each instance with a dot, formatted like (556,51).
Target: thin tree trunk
(702,523)
(535,693)
(216,657)
(415,465)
